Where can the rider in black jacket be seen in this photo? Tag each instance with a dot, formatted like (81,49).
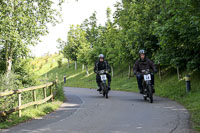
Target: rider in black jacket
(102,64)
(143,64)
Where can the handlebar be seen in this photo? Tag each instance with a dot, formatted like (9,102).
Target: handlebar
(146,71)
(102,72)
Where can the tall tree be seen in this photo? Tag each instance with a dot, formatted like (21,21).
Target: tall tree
(21,25)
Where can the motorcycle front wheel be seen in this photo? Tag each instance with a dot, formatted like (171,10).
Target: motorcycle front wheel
(106,90)
(150,93)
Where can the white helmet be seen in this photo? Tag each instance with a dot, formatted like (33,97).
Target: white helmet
(101,56)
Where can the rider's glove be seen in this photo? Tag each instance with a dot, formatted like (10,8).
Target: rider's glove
(135,73)
(155,71)
(96,72)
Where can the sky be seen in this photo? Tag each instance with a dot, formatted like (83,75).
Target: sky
(73,12)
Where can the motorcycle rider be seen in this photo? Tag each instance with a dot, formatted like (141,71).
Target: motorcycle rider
(102,64)
(143,64)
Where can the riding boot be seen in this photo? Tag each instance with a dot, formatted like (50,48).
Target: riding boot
(109,86)
(141,90)
(99,87)
(153,89)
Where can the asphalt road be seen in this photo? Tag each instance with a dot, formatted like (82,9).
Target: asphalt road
(85,111)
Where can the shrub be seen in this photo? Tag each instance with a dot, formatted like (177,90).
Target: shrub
(59,63)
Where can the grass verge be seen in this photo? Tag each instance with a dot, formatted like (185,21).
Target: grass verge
(30,113)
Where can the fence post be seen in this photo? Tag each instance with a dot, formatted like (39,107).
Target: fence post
(45,91)
(20,103)
(34,97)
(64,79)
(51,92)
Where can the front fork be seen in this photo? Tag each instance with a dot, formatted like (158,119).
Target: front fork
(104,85)
(146,84)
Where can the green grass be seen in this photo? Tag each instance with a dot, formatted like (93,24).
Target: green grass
(30,113)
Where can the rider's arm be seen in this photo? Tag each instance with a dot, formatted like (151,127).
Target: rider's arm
(153,66)
(108,67)
(135,68)
(95,67)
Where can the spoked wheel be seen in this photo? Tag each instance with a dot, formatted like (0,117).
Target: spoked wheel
(150,94)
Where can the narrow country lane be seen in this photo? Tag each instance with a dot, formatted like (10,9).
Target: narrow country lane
(86,111)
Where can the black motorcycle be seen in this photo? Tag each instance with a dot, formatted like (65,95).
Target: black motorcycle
(103,84)
(147,86)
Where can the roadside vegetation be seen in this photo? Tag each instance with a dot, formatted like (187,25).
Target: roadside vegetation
(39,68)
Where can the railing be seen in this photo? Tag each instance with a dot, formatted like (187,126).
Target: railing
(49,85)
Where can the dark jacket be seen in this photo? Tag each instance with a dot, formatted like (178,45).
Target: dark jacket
(144,65)
(101,66)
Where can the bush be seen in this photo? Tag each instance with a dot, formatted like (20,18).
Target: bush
(7,83)
(60,62)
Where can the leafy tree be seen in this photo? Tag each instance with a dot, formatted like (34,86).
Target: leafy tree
(21,25)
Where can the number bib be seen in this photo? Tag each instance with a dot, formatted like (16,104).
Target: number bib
(103,77)
(147,77)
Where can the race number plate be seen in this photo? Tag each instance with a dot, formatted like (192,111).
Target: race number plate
(147,77)
(103,77)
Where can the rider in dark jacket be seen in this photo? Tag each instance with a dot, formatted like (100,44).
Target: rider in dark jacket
(143,64)
(101,64)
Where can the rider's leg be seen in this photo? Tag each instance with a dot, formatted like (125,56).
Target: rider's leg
(109,81)
(98,80)
(152,82)
(139,80)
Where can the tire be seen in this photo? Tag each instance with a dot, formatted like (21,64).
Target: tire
(106,90)
(104,94)
(150,93)
(107,96)
(145,98)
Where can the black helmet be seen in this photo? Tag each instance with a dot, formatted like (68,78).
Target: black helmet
(142,51)
(101,56)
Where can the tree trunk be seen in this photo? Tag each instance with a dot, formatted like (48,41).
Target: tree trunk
(112,70)
(87,72)
(9,62)
(178,73)
(83,67)
(9,53)
(75,65)
(129,71)
(68,63)
(160,72)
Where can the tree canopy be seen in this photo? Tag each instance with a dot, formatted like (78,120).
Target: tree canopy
(167,29)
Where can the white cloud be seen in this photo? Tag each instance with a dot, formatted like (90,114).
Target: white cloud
(73,13)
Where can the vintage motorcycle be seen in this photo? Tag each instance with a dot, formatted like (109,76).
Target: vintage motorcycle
(103,84)
(147,86)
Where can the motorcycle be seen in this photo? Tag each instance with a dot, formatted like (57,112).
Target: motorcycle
(103,84)
(147,86)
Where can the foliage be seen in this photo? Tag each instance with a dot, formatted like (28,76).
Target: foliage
(59,62)
(167,30)
(22,23)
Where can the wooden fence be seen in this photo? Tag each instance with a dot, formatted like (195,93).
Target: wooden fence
(46,86)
